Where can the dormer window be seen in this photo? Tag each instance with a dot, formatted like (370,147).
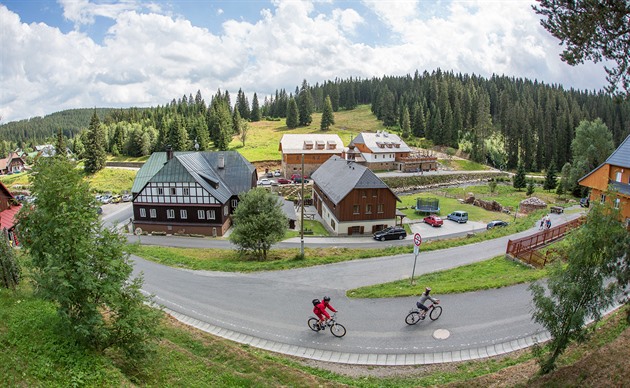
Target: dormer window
(308,144)
(332,145)
(320,145)
(397,145)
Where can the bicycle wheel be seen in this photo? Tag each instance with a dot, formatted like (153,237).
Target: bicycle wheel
(338,330)
(435,313)
(313,323)
(412,318)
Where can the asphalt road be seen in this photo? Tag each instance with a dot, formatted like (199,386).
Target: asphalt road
(273,307)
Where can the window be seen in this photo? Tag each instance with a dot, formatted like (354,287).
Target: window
(173,191)
(332,224)
(379,208)
(363,193)
(152,213)
(617,203)
(201,214)
(183,214)
(160,191)
(368,208)
(618,179)
(186,191)
(170,213)
(603,198)
(210,214)
(225,210)
(355,209)
(374,193)
(234,202)
(143,212)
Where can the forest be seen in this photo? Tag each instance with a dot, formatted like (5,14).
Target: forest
(501,121)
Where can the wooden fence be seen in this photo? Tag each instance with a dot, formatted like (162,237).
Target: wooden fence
(526,248)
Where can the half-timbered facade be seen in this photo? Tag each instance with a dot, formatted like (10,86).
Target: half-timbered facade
(315,148)
(190,192)
(12,164)
(614,173)
(351,199)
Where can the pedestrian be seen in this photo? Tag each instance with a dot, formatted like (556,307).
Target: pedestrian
(548,224)
(542,223)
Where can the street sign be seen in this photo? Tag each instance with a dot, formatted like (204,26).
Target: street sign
(417,239)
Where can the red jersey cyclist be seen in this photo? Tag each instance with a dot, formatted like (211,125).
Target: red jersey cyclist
(320,310)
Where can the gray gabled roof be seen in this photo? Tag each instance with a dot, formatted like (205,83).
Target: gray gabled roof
(621,156)
(338,177)
(154,164)
(203,167)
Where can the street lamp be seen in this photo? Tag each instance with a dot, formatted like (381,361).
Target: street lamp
(302,215)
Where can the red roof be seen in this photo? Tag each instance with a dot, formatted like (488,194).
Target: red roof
(7,217)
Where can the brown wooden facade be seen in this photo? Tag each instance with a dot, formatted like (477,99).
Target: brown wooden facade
(600,179)
(367,206)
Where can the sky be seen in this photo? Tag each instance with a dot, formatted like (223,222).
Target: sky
(68,54)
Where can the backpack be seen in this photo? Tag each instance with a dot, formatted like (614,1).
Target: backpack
(316,302)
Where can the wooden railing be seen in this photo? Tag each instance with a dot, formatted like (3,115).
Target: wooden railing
(526,248)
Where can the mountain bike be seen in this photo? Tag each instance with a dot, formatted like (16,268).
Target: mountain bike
(337,329)
(415,315)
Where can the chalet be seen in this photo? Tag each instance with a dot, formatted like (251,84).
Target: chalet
(316,149)
(351,199)
(614,173)
(9,207)
(386,151)
(190,192)
(12,164)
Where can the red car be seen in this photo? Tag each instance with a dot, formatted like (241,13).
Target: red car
(433,220)
(283,181)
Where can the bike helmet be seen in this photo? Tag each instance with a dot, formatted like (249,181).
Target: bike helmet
(327,298)
(427,289)
(316,302)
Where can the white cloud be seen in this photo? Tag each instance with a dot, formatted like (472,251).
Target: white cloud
(148,57)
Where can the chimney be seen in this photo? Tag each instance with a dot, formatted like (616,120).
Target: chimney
(221,161)
(169,152)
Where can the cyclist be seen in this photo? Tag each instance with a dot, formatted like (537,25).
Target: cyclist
(320,311)
(423,298)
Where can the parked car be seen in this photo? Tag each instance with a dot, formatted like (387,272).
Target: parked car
(106,198)
(269,174)
(433,220)
(585,202)
(277,173)
(391,233)
(283,181)
(299,180)
(496,224)
(127,197)
(459,216)
(116,199)
(264,182)
(296,176)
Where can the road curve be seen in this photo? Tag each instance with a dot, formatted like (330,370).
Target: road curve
(269,310)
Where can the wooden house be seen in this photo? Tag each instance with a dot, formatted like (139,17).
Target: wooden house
(382,150)
(316,149)
(190,192)
(9,207)
(12,164)
(351,199)
(613,174)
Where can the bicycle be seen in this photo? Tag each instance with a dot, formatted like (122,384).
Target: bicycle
(337,329)
(415,315)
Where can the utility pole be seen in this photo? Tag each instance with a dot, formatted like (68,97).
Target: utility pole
(302,215)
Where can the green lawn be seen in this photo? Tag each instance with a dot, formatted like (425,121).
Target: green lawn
(114,180)
(264,136)
(315,227)
(494,273)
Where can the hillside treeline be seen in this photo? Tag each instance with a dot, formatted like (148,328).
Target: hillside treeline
(501,121)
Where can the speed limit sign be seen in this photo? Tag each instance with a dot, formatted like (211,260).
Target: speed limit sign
(417,240)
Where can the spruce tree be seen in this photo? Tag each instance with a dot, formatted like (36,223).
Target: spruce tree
(60,145)
(405,124)
(519,181)
(328,118)
(95,155)
(292,114)
(550,179)
(305,105)
(530,187)
(255,114)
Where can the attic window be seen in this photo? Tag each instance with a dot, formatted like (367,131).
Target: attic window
(320,145)
(332,145)
(397,145)
(308,145)
(389,145)
(380,145)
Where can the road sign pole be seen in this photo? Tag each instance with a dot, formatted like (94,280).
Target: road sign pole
(414,267)
(417,240)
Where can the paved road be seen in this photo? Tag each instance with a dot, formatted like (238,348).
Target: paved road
(270,309)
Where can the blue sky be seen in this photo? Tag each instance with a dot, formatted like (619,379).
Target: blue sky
(83,53)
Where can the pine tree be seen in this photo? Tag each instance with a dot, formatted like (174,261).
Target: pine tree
(419,125)
(328,118)
(530,187)
(236,122)
(292,114)
(242,105)
(255,114)
(60,145)
(95,147)
(519,180)
(178,136)
(305,105)
(405,125)
(550,179)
